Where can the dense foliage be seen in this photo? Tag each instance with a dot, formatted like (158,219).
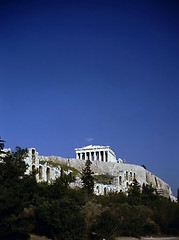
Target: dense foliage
(87,178)
(62,213)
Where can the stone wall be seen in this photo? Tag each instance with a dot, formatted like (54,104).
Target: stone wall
(121,174)
(45,171)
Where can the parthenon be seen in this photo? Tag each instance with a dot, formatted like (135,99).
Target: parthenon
(96,153)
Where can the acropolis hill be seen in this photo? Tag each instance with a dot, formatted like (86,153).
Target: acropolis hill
(110,174)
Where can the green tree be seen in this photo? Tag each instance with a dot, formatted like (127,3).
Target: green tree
(134,193)
(1,146)
(166,215)
(87,178)
(60,219)
(135,220)
(14,197)
(148,194)
(1,143)
(12,168)
(106,226)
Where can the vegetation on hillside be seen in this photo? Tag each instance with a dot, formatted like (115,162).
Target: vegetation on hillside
(62,213)
(87,178)
(103,179)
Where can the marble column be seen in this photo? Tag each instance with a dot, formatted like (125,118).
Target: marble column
(90,156)
(107,156)
(94,156)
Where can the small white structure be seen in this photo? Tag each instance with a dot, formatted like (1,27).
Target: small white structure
(96,153)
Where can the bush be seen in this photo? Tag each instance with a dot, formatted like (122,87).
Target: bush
(105,226)
(60,219)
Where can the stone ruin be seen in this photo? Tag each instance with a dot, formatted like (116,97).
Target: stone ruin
(110,174)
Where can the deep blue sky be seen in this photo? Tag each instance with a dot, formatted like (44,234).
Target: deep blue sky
(74,73)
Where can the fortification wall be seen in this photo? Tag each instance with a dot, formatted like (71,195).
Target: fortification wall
(122,174)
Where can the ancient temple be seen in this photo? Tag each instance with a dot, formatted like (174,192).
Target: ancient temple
(96,153)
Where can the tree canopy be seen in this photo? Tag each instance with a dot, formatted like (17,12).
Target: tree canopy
(62,213)
(87,178)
